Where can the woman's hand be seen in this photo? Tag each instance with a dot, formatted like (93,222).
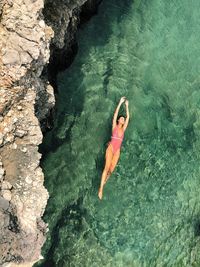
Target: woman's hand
(126,102)
(122,99)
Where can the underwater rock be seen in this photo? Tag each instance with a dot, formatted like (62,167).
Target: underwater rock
(64,17)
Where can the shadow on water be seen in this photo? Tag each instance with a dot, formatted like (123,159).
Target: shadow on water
(73,101)
(72,212)
(197,226)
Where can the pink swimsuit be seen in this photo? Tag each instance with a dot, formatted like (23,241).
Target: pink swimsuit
(116,140)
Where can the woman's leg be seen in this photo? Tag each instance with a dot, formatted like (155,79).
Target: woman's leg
(114,161)
(109,155)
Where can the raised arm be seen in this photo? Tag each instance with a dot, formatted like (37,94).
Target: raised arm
(127,116)
(117,111)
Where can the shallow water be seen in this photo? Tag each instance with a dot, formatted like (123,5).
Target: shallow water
(150,212)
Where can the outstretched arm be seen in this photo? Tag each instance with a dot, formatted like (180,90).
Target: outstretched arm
(117,111)
(127,116)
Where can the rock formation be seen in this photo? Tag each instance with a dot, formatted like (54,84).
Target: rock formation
(26,98)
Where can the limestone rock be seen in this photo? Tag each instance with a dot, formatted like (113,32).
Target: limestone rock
(6,185)
(1,173)
(20,133)
(4,204)
(26,98)
(24,42)
(1,139)
(11,57)
(6,195)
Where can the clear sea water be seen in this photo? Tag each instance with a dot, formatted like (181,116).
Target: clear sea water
(150,212)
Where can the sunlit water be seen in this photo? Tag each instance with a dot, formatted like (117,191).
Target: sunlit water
(150,212)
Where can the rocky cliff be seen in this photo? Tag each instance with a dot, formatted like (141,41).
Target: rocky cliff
(31,32)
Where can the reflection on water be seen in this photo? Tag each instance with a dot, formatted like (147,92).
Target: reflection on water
(150,213)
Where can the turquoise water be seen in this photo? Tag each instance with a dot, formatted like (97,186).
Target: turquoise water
(150,212)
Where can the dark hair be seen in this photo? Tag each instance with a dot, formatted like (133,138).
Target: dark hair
(121,115)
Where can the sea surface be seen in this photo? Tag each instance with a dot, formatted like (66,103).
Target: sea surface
(148,51)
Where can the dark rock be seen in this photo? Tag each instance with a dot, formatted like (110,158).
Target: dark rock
(13,224)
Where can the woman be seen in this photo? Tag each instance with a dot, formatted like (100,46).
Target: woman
(113,150)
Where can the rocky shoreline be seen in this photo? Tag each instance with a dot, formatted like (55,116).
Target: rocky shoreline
(32,33)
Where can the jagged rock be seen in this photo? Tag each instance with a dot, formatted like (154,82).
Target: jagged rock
(24,94)
(20,133)
(28,180)
(9,138)
(64,18)
(11,57)
(14,146)
(19,108)
(6,185)
(10,113)
(7,194)
(1,173)
(4,204)
(4,223)
(1,138)
(24,39)
(24,149)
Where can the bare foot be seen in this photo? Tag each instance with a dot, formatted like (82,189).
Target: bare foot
(100,193)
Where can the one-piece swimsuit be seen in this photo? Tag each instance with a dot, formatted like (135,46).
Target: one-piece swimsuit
(116,140)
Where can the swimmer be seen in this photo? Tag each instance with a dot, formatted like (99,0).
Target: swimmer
(119,126)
